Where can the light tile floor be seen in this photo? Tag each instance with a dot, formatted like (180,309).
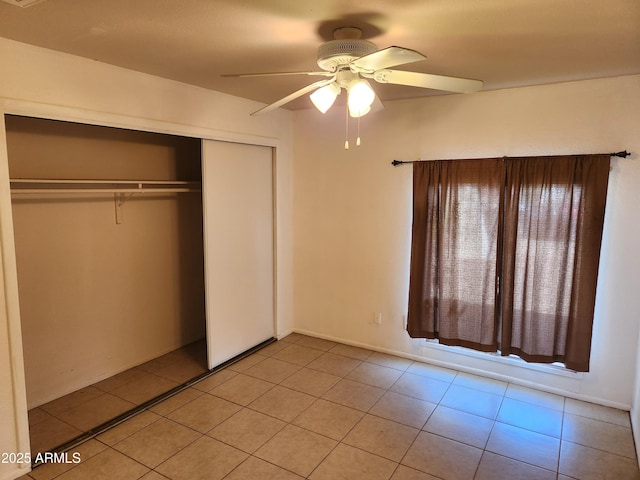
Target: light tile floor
(65,418)
(309,408)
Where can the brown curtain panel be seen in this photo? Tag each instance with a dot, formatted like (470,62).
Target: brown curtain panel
(453,285)
(554,212)
(505,254)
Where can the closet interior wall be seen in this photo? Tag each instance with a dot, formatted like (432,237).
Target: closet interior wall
(98,297)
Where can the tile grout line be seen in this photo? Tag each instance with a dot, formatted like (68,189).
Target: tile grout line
(564,413)
(493,426)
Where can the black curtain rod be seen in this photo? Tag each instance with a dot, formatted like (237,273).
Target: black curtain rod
(395,163)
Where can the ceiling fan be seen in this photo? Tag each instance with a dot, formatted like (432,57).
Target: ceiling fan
(348,61)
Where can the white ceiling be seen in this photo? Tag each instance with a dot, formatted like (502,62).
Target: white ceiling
(505,43)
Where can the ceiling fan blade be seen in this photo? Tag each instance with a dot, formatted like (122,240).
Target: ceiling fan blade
(427,80)
(294,95)
(277,74)
(385,58)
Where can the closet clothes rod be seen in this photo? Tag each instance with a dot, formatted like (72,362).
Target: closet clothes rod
(40,186)
(122,190)
(102,190)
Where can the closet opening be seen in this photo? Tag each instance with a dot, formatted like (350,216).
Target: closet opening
(108,235)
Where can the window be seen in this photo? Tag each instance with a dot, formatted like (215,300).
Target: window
(505,254)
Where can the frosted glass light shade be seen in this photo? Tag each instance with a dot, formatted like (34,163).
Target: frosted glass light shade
(361,96)
(324,97)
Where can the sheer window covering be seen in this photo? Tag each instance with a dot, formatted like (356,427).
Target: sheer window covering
(505,254)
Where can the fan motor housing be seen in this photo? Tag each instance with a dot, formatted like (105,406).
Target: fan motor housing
(336,53)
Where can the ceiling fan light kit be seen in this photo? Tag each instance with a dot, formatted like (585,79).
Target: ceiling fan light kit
(348,61)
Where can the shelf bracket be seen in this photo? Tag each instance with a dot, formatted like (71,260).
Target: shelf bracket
(119,199)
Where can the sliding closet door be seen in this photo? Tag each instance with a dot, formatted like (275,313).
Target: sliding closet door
(237,196)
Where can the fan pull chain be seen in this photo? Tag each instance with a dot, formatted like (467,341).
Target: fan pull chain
(346,123)
(358,138)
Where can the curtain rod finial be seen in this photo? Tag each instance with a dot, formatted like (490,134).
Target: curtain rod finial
(623,154)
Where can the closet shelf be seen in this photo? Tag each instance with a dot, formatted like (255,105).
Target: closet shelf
(39,186)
